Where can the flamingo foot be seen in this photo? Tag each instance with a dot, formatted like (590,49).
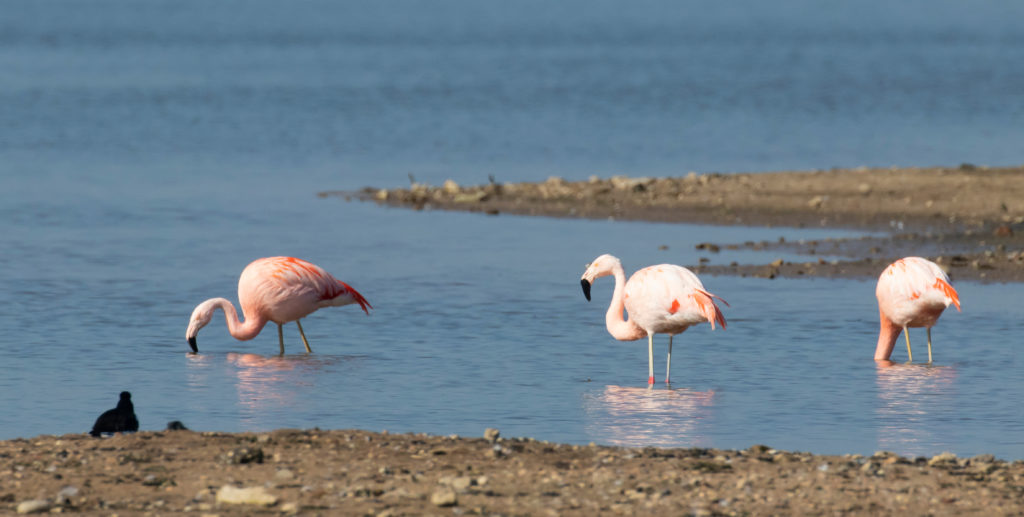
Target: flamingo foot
(650,380)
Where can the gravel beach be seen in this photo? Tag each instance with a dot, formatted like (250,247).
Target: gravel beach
(346,472)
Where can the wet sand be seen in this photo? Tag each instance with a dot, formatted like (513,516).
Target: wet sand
(345,472)
(968,219)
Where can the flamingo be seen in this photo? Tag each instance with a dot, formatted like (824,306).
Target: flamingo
(278,289)
(662,299)
(912,292)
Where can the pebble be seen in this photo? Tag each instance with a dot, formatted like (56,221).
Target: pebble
(946,457)
(491,434)
(444,497)
(284,475)
(250,495)
(33,506)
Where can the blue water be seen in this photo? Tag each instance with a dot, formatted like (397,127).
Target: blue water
(150,150)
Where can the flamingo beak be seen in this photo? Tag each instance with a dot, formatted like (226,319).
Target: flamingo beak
(195,348)
(586,288)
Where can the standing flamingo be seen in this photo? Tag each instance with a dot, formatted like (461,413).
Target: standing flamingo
(278,289)
(663,299)
(912,292)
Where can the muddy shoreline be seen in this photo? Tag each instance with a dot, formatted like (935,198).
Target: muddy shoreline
(968,219)
(348,472)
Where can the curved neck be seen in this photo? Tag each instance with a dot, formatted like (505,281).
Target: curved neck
(617,325)
(239,330)
(887,336)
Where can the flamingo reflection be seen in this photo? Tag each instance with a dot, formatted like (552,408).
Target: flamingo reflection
(628,416)
(911,396)
(267,387)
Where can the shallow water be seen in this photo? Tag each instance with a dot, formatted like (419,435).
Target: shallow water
(150,153)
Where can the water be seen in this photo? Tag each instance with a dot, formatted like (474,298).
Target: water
(149,151)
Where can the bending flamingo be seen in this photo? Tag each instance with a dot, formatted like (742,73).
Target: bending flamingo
(912,292)
(663,299)
(278,289)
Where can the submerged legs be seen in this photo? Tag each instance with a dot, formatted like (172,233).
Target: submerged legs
(303,334)
(280,337)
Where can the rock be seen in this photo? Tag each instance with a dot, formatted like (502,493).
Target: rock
(256,495)
(33,506)
(176,425)
(942,459)
(284,475)
(65,494)
(776,263)
(816,202)
(491,434)
(450,187)
(382,194)
(1003,231)
(243,455)
(444,497)
(470,197)
(290,508)
(864,189)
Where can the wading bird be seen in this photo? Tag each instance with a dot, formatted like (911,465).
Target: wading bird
(118,420)
(912,292)
(278,289)
(663,299)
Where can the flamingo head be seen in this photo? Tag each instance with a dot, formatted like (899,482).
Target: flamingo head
(201,316)
(601,266)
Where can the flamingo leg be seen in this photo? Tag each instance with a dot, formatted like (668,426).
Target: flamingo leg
(280,337)
(929,345)
(303,334)
(650,359)
(906,334)
(668,362)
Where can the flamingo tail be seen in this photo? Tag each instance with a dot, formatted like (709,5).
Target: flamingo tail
(708,309)
(948,290)
(357,297)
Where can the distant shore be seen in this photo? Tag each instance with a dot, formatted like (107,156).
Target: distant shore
(346,472)
(968,219)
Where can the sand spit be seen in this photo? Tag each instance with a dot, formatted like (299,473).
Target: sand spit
(971,219)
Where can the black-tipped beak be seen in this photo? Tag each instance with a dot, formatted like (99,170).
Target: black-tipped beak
(586,288)
(195,348)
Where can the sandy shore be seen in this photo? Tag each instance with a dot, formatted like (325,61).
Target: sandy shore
(316,472)
(969,219)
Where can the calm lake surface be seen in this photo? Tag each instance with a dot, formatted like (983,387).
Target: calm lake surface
(150,150)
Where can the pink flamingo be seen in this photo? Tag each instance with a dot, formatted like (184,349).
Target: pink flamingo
(663,299)
(278,289)
(912,292)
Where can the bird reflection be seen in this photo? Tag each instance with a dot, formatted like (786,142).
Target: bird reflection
(911,398)
(629,416)
(266,386)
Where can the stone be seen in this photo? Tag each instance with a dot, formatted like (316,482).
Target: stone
(444,497)
(816,202)
(284,475)
(33,506)
(255,495)
(491,434)
(450,187)
(941,459)
(382,194)
(65,494)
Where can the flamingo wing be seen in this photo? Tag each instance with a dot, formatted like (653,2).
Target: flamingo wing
(287,289)
(914,280)
(669,298)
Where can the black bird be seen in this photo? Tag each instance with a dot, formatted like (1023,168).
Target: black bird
(118,420)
